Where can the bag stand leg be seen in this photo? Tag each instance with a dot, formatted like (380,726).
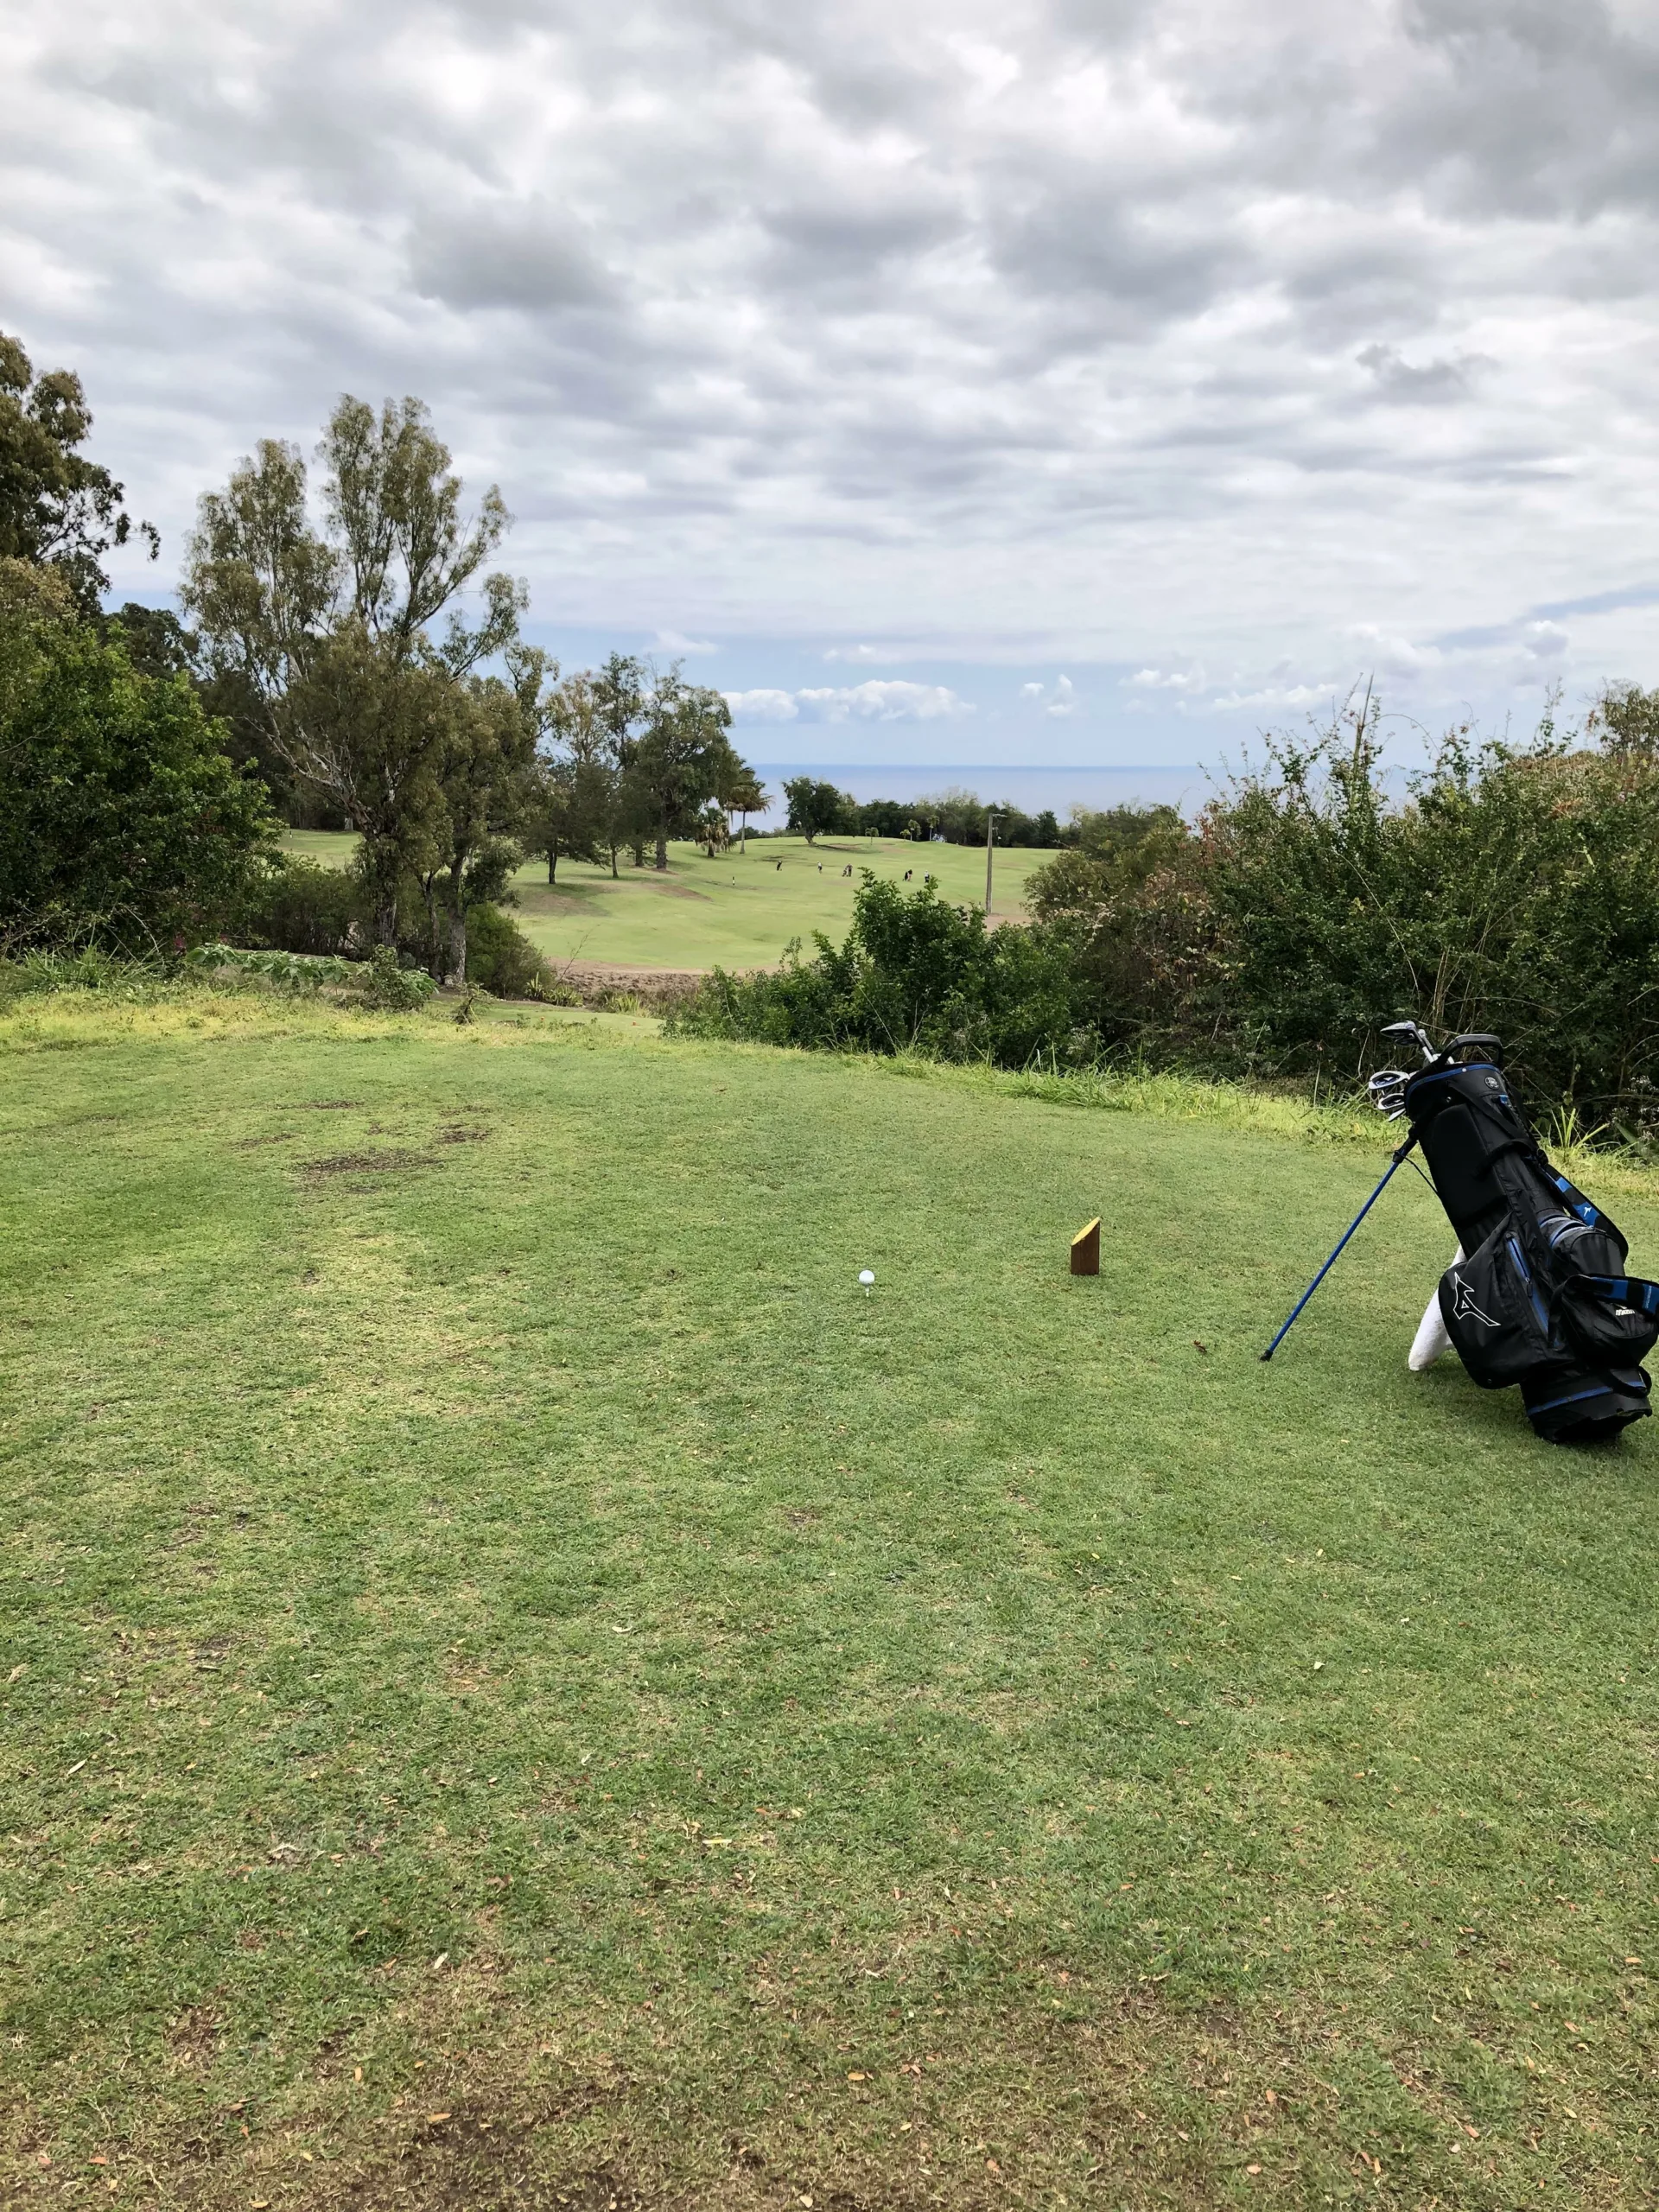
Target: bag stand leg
(1398,1155)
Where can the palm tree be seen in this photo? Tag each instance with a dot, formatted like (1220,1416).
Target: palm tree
(743,793)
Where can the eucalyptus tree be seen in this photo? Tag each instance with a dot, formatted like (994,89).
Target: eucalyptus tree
(58,509)
(622,693)
(483,772)
(573,813)
(326,628)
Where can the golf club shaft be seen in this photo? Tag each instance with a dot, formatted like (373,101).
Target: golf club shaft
(1396,1160)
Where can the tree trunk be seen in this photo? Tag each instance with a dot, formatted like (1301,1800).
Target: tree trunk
(614,876)
(457,948)
(552,862)
(662,849)
(434,956)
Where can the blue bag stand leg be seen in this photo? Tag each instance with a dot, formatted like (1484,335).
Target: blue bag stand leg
(1393,1163)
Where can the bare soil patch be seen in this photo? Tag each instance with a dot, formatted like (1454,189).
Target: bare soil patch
(386,1162)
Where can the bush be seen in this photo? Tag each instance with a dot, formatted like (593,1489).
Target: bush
(1516,889)
(382,983)
(915,974)
(300,971)
(500,958)
(120,816)
(298,905)
(392,989)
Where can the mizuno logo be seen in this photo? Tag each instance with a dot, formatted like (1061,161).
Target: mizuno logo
(1464,1307)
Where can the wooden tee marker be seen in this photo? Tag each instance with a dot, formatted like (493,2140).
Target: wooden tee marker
(1085,1249)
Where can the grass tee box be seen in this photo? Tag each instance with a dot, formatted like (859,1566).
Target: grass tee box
(524,1687)
(736,910)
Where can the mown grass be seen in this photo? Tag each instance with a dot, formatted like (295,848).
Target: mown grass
(526,1687)
(737,910)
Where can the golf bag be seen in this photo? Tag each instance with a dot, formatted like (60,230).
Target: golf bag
(1542,1300)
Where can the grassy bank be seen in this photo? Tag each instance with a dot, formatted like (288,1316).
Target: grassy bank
(526,1687)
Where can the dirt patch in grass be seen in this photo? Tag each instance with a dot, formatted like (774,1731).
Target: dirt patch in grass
(599,982)
(475,2161)
(388,1162)
(194,2037)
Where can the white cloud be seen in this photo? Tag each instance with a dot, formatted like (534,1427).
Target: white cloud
(1190,337)
(1059,703)
(762,706)
(670,641)
(1391,655)
(1189,682)
(883,701)
(877,700)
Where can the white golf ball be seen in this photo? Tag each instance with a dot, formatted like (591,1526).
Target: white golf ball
(866,1276)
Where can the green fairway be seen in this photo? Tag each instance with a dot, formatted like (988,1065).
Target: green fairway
(526,1688)
(737,910)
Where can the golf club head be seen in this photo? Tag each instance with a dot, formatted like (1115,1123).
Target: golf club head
(1388,1091)
(1415,1033)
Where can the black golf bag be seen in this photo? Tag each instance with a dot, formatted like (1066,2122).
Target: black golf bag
(1542,1300)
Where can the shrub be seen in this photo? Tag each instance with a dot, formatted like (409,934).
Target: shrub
(500,958)
(915,974)
(298,905)
(382,983)
(392,989)
(120,815)
(300,971)
(1515,889)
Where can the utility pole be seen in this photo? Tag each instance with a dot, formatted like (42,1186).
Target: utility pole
(990,841)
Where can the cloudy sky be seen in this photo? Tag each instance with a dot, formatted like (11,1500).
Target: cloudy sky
(1055,380)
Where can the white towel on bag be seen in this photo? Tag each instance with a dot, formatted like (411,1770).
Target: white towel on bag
(1431,1339)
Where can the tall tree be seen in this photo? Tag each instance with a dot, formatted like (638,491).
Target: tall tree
(483,776)
(742,791)
(572,811)
(327,630)
(622,693)
(814,807)
(373,729)
(678,760)
(57,509)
